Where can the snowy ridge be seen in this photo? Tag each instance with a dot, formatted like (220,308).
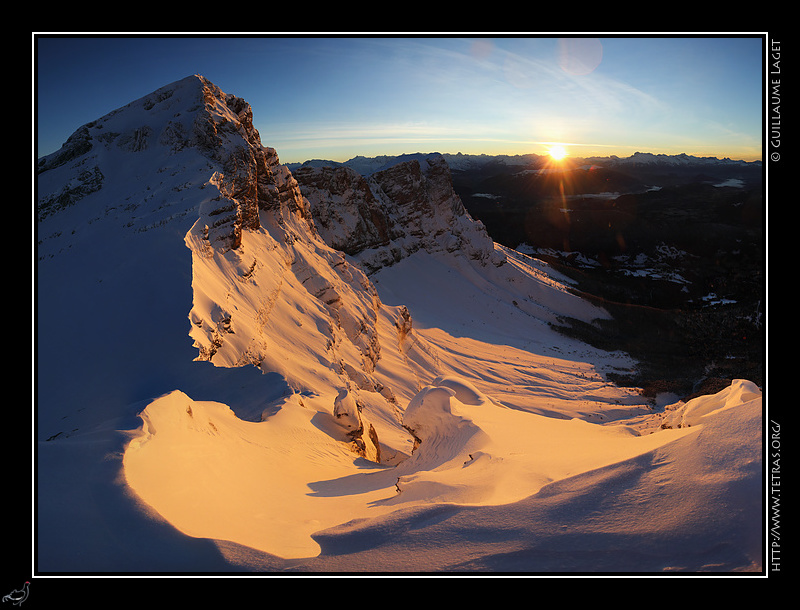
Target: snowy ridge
(223,388)
(663,159)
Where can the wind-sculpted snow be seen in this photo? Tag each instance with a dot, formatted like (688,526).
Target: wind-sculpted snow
(253,479)
(683,415)
(687,506)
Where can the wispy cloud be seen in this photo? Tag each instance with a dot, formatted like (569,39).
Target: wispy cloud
(509,91)
(584,92)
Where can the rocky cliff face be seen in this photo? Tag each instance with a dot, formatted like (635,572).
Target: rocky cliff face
(345,211)
(183,170)
(176,188)
(193,115)
(385,216)
(252,178)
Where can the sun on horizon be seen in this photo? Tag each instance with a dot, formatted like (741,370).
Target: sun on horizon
(557,152)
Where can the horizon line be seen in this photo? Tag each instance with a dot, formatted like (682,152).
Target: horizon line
(341,159)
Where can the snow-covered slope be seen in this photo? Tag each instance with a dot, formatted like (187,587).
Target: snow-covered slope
(220,387)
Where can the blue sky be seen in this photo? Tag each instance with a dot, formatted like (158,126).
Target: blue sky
(335,97)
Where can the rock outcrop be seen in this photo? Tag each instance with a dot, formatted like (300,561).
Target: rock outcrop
(195,114)
(346,213)
(348,413)
(385,216)
(252,178)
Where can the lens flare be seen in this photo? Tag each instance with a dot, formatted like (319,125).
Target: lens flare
(557,152)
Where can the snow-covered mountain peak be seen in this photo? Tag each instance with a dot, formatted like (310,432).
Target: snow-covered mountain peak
(187,126)
(179,182)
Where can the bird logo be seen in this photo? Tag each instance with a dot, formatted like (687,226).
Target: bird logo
(17,596)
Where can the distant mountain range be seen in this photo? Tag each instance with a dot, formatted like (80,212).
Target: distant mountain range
(461,161)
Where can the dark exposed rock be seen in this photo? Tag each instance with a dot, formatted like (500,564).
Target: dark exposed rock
(348,414)
(78,144)
(347,215)
(388,215)
(135,140)
(86,183)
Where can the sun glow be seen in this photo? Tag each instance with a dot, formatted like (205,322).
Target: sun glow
(557,152)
